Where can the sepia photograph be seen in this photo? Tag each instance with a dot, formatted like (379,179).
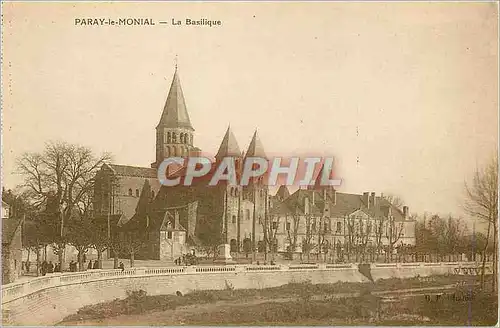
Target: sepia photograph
(249,163)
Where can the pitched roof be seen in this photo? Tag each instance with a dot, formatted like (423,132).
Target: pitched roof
(175,114)
(255,149)
(9,228)
(283,192)
(133,171)
(345,204)
(229,146)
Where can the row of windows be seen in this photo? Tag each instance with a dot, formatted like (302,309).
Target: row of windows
(234,192)
(184,138)
(176,151)
(137,193)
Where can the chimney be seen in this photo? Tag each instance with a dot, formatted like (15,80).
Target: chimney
(373,200)
(366,200)
(405,212)
(176,216)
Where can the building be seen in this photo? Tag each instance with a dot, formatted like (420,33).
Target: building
(11,246)
(173,219)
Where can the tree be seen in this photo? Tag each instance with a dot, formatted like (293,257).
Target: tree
(62,174)
(79,235)
(482,203)
(308,242)
(270,227)
(393,233)
(292,230)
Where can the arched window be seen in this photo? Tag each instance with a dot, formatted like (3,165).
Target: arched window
(181,137)
(174,137)
(130,192)
(169,138)
(137,193)
(233,219)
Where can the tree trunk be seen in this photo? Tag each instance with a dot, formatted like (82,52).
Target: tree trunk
(37,262)
(495,257)
(132,257)
(99,258)
(80,260)
(484,253)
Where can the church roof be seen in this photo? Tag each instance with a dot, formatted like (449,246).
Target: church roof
(283,192)
(133,171)
(255,149)
(175,114)
(229,146)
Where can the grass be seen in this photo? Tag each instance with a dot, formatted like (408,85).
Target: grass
(297,305)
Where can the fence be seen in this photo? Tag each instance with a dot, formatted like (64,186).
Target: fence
(17,290)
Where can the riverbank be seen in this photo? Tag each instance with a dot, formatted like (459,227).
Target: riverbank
(459,303)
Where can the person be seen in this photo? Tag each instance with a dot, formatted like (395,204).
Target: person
(122,266)
(96,265)
(90,265)
(27,266)
(175,261)
(50,267)
(57,268)
(44,268)
(72,266)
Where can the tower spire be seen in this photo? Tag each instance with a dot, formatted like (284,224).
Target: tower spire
(229,145)
(175,114)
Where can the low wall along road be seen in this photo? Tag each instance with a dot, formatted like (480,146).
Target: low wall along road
(47,300)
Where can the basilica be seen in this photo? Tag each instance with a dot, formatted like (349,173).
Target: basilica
(171,221)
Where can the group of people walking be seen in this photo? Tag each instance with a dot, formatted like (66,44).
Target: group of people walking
(48,267)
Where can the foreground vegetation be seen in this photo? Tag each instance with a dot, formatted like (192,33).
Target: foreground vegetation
(308,304)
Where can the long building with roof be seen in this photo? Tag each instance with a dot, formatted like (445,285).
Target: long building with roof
(176,219)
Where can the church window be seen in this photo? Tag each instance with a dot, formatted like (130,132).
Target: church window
(169,138)
(234,219)
(288,226)
(174,137)
(182,137)
(248,214)
(130,191)
(339,227)
(137,193)
(169,235)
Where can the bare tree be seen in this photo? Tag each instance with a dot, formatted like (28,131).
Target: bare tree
(393,233)
(292,232)
(270,226)
(482,203)
(65,173)
(308,242)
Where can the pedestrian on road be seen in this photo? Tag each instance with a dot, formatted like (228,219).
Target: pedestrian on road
(44,268)
(122,266)
(50,268)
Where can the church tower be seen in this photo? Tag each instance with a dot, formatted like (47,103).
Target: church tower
(174,132)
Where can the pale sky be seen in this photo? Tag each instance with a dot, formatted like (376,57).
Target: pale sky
(409,89)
